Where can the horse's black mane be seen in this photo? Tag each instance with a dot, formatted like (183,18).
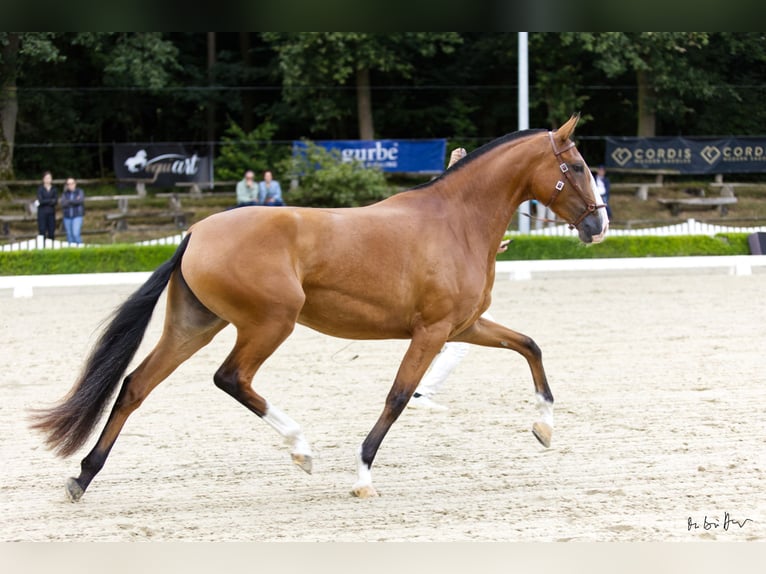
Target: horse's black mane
(478,152)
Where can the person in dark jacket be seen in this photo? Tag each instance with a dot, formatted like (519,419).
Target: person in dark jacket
(47,198)
(603,188)
(73,207)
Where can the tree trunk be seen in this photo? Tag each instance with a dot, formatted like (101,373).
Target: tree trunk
(9,104)
(247,96)
(210,81)
(364,104)
(647,126)
(211,53)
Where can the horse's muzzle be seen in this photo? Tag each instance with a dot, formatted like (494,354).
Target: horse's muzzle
(593,228)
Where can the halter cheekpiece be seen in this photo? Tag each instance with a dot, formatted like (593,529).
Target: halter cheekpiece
(559,187)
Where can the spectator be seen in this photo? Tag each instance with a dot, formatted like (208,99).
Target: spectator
(442,366)
(269,191)
(452,352)
(47,198)
(602,188)
(73,208)
(247,190)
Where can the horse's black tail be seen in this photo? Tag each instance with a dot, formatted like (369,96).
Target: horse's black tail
(68,424)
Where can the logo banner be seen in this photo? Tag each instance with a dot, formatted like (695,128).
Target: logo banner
(688,155)
(395,156)
(161,164)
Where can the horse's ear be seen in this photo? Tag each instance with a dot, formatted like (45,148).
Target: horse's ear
(565,132)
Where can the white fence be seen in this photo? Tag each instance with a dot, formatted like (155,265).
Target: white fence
(689,227)
(41,243)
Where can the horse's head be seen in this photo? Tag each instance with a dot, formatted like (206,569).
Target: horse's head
(568,187)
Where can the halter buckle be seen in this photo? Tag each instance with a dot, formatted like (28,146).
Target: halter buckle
(564,168)
(559,185)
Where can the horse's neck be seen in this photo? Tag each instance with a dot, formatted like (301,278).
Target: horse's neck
(488,190)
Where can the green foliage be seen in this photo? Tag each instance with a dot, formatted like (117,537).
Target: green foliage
(139,59)
(312,62)
(664,57)
(558,76)
(249,150)
(78,92)
(526,247)
(108,259)
(327,181)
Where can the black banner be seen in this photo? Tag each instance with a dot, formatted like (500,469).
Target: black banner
(161,164)
(688,155)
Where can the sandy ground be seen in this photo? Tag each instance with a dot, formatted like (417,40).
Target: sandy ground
(660,383)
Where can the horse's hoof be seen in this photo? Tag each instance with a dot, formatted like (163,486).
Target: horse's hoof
(542,432)
(366,491)
(303,461)
(73,490)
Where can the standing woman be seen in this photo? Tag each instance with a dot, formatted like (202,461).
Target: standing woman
(47,198)
(73,208)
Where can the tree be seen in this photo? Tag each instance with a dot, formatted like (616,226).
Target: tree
(735,65)
(313,62)
(241,150)
(83,60)
(557,71)
(15,48)
(660,62)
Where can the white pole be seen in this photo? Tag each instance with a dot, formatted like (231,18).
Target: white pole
(524,208)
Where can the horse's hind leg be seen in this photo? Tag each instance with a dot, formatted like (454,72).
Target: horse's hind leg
(423,348)
(188,327)
(490,334)
(253,347)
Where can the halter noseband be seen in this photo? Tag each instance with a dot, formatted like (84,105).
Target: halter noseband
(591,207)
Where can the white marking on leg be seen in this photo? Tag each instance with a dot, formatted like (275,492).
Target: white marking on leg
(364,474)
(288,428)
(545,408)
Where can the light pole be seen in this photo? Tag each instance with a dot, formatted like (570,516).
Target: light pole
(523,114)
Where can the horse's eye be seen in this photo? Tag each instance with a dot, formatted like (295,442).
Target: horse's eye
(577,167)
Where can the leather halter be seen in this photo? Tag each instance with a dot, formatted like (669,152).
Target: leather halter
(590,207)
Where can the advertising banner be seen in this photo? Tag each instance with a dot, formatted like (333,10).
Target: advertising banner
(395,156)
(688,155)
(161,164)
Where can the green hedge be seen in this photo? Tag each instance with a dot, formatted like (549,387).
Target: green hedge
(529,247)
(106,259)
(147,258)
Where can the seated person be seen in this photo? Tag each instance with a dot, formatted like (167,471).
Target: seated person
(247,190)
(269,191)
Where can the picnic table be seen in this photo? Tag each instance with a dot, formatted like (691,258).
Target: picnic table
(6,220)
(676,205)
(120,220)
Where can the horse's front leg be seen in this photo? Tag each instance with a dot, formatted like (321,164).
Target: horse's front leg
(490,334)
(422,350)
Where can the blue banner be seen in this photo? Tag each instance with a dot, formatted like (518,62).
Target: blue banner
(394,156)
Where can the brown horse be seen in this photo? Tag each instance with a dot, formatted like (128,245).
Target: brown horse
(419,265)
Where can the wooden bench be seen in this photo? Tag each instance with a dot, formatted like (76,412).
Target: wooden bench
(677,205)
(201,195)
(6,220)
(140,183)
(642,187)
(119,220)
